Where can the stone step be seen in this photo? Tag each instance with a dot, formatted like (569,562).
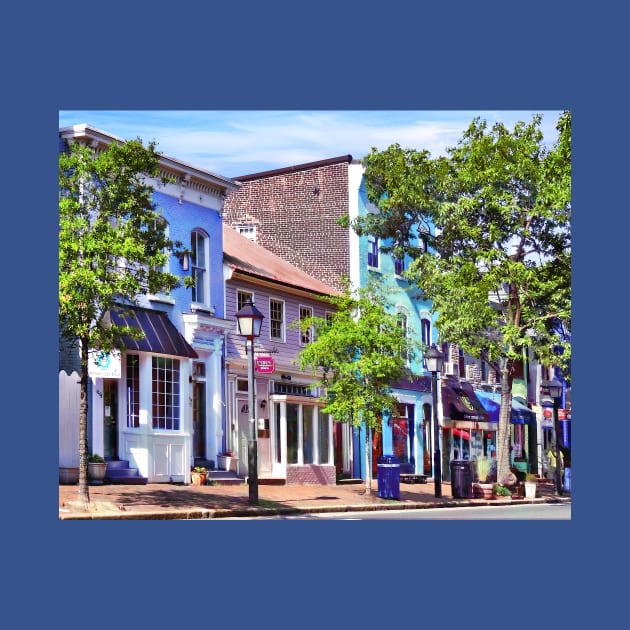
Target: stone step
(118,471)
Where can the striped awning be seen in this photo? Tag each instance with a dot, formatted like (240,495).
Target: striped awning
(160,334)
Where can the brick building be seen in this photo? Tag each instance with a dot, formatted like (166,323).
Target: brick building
(293,213)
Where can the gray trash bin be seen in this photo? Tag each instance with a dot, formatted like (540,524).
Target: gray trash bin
(388,477)
(462,473)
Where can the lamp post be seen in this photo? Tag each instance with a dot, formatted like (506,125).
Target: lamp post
(435,359)
(249,320)
(554,389)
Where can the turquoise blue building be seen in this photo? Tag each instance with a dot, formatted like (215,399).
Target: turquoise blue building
(407,434)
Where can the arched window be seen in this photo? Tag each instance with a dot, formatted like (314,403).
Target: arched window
(199,257)
(426,331)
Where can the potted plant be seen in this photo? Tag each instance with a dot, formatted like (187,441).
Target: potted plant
(482,489)
(499,491)
(198,476)
(97,467)
(224,460)
(531,481)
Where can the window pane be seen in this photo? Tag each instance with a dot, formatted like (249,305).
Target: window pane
(323,435)
(399,439)
(276,317)
(307,335)
(292,433)
(307,433)
(133,390)
(198,246)
(278,434)
(165,393)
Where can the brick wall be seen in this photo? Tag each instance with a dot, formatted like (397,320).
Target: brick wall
(311,474)
(295,212)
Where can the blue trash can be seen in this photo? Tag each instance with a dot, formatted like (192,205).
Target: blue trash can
(388,477)
(567,479)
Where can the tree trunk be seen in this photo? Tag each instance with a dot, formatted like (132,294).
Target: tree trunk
(503,434)
(84,493)
(368,463)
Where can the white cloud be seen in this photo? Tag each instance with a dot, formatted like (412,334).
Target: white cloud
(233,143)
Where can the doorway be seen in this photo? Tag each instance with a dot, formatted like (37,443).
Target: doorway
(199,409)
(110,419)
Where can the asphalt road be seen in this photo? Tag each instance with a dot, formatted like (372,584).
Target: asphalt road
(541,511)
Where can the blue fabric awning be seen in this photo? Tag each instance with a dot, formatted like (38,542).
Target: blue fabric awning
(492,404)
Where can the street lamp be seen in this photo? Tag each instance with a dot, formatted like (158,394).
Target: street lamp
(435,359)
(554,389)
(249,320)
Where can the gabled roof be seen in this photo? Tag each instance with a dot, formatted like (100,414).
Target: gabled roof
(250,259)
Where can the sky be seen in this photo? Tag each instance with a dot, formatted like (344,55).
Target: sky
(240,142)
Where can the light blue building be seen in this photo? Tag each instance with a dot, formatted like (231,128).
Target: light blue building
(158,404)
(407,434)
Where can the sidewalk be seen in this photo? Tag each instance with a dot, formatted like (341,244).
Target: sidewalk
(160,501)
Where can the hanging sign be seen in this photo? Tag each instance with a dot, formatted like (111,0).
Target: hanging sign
(104,364)
(265,365)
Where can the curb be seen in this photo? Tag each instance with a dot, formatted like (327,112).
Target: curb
(253,512)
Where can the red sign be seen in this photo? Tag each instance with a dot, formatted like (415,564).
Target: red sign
(265,365)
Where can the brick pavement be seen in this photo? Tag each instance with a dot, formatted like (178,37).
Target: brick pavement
(160,501)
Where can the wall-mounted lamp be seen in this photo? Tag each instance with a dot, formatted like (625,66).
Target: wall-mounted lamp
(184,259)
(285,377)
(263,404)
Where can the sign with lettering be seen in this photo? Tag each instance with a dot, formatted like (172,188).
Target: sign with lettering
(104,364)
(265,365)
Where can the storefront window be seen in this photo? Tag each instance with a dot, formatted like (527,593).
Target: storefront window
(399,439)
(165,377)
(292,433)
(323,434)
(307,434)
(278,433)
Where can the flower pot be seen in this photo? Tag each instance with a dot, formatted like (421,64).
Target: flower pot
(198,479)
(96,472)
(530,489)
(68,475)
(482,490)
(224,461)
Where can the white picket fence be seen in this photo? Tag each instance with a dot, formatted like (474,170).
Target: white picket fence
(69,404)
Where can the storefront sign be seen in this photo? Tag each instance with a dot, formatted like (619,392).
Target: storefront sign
(104,364)
(265,365)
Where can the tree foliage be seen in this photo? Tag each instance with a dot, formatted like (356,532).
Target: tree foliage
(357,353)
(113,247)
(498,266)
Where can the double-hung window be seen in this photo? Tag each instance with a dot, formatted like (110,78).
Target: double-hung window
(276,319)
(306,334)
(199,247)
(372,257)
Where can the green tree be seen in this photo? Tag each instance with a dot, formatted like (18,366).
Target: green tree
(112,249)
(498,266)
(358,352)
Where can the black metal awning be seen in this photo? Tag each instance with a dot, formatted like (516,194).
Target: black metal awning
(160,334)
